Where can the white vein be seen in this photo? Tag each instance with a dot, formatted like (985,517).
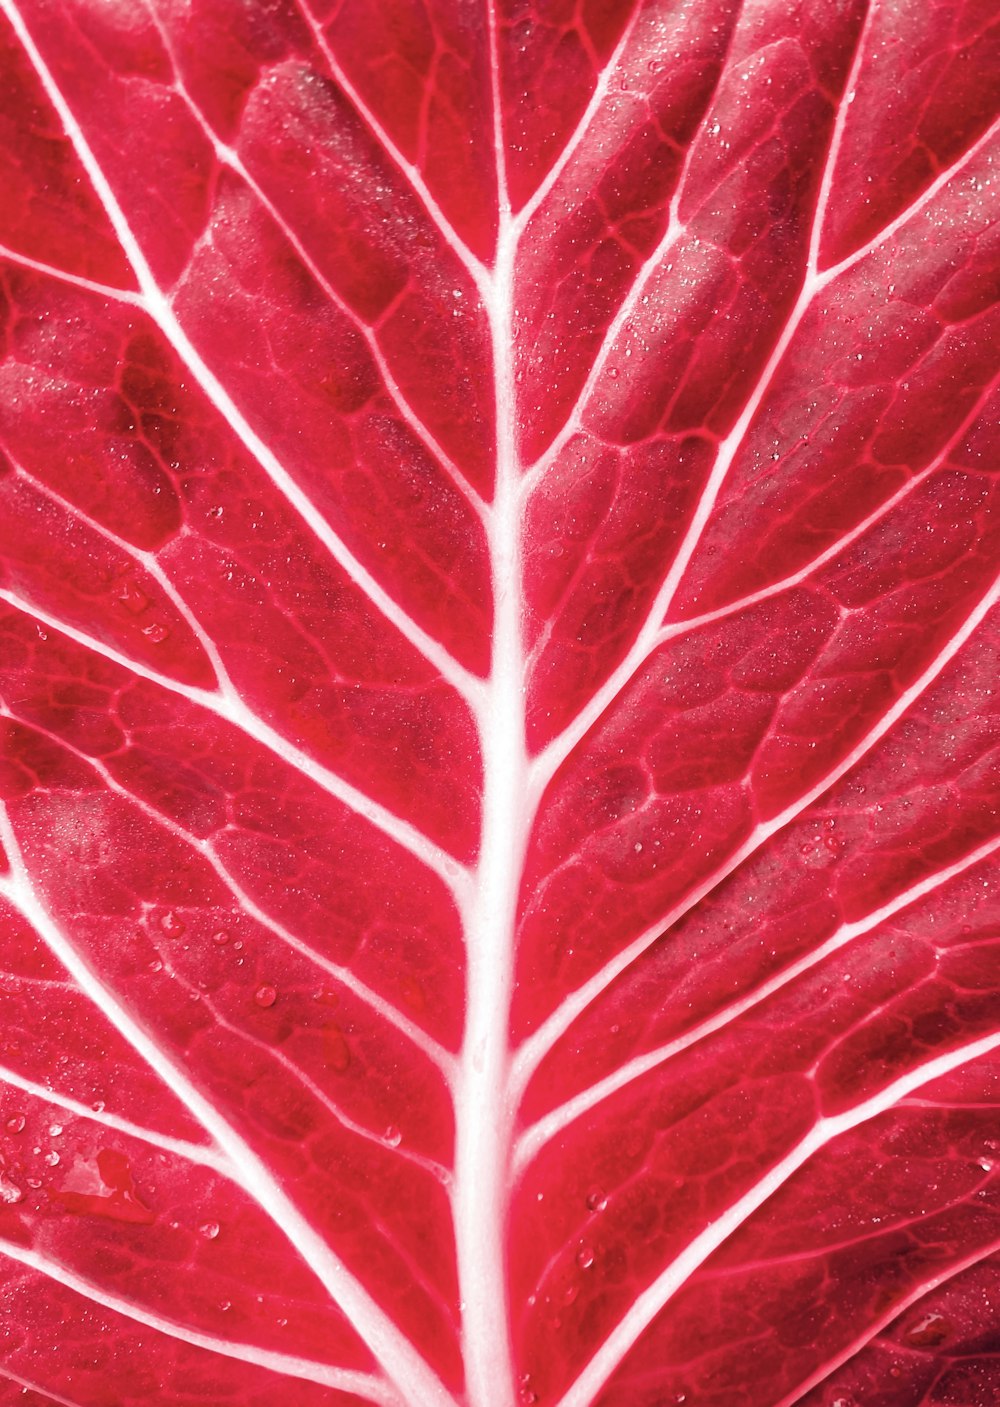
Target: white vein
(898,1307)
(652,1300)
(476,270)
(227,156)
(533,1139)
(302,1078)
(180,1147)
(160,309)
(582,127)
(289,1365)
(439,1057)
(814,283)
(533,1050)
(394,1352)
(483,1110)
(89,285)
(232,709)
(29,1385)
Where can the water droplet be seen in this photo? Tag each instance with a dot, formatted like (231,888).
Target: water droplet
(209,1229)
(928,1331)
(585,1257)
(596,1200)
(281,1323)
(52,1158)
(172,924)
(15,1124)
(98,1106)
(221,938)
(986,1164)
(266,995)
(526,1394)
(392,1136)
(156,965)
(134,600)
(156,633)
(225,1305)
(55,1130)
(9,1192)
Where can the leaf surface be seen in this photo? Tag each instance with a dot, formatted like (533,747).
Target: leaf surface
(499,579)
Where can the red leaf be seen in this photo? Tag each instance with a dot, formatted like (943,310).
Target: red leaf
(499,579)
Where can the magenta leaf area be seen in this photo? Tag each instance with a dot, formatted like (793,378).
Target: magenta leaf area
(499,704)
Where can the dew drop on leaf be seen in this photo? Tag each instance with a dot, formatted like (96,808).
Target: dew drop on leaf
(134,600)
(15,1124)
(10,1194)
(265,995)
(928,1331)
(209,1229)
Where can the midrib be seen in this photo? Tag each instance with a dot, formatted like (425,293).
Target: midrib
(483,1112)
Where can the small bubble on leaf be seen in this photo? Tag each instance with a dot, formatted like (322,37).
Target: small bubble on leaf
(265,995)
(15,1124)
(209,1229)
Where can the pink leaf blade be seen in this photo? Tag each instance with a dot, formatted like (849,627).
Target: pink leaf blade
(154,1354)
(498,779)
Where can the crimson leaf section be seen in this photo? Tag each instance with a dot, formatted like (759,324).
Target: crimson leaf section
(297,300)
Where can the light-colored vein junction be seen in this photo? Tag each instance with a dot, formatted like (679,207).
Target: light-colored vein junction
(488,1078)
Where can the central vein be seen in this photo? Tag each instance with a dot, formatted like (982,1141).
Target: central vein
(484,1115)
